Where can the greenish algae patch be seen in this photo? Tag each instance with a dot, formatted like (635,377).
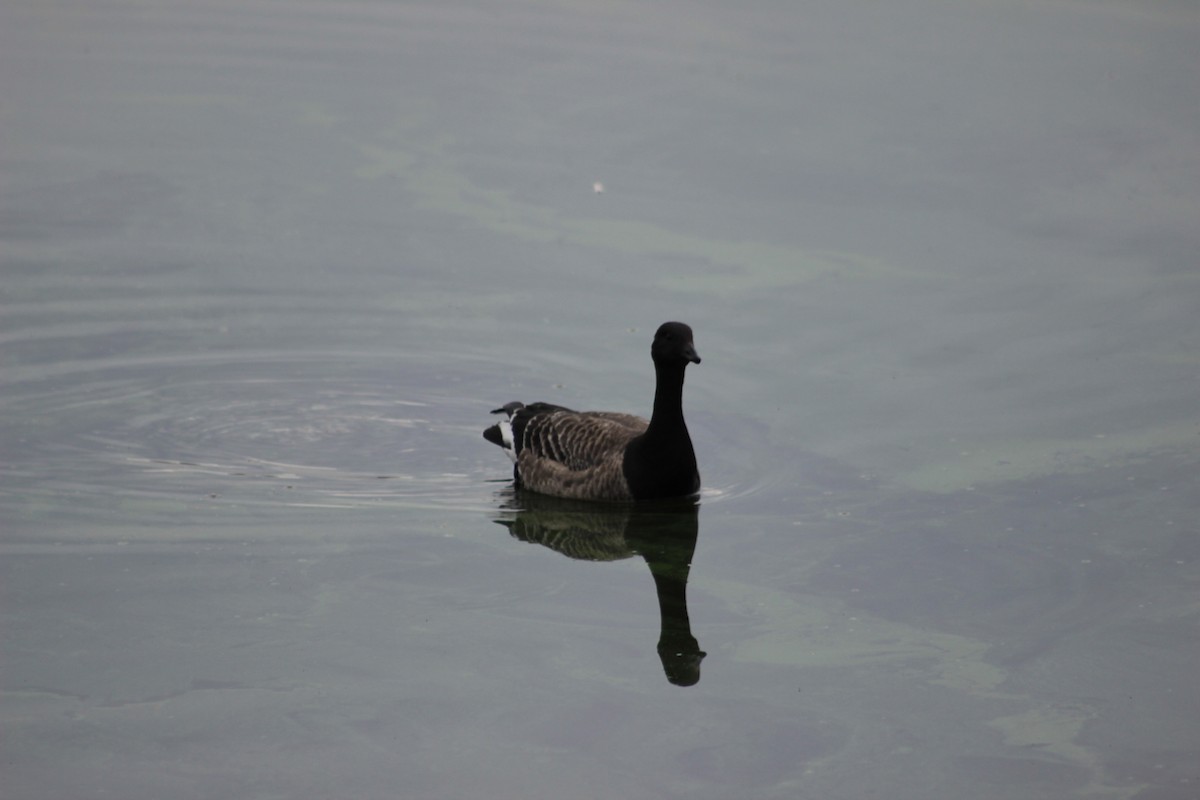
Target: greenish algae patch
(823,633)
(318,115)
(382,162)
(183,100)
(1054,732)
(438,184)
(1024,459)
(812,631)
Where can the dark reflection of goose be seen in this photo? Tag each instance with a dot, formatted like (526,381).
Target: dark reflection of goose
(661,532)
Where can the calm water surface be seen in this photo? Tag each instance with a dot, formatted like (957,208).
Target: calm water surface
(267,265)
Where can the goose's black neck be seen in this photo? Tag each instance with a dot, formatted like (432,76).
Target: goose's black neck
(661,462)
(666,421)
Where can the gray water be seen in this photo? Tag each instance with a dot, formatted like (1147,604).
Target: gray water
(266,267)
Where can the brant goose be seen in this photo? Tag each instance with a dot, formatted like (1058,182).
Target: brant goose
(607,456)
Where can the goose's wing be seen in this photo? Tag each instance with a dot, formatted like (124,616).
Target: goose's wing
(578,440)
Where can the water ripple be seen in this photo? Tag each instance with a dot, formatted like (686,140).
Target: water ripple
(152,437)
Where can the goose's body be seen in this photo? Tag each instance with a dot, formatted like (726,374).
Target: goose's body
(602,455)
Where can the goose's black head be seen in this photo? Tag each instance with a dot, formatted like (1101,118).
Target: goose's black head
(673,345)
